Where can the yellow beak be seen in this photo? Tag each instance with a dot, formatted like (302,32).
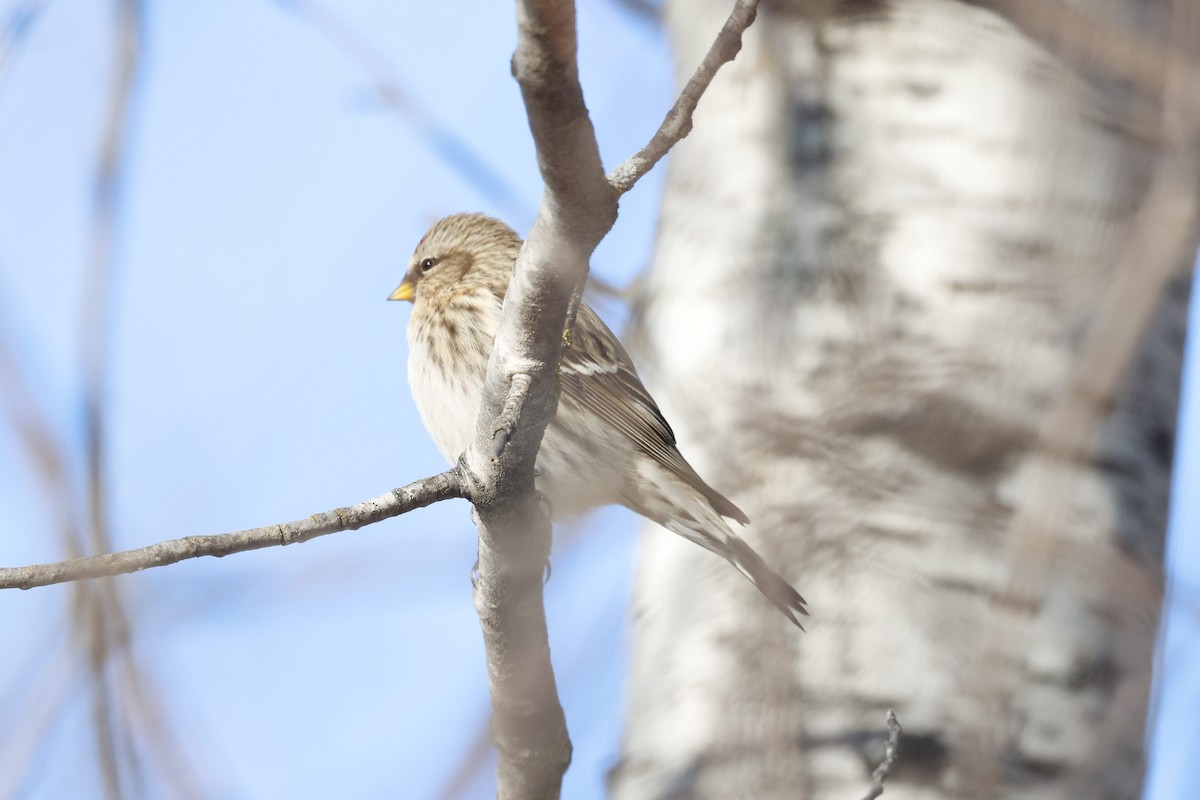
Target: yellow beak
(404,291)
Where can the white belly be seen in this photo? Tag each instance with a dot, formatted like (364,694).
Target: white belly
(446,375)
(447,385)
(449,408)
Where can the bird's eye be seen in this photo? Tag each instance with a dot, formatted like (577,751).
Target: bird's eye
(428,264)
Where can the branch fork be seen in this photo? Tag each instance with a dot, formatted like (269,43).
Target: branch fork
(502,428)
(520,397)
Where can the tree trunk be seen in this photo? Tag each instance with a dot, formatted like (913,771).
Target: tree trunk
(881,252)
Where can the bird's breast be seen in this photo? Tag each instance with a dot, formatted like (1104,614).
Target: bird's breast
(448,350)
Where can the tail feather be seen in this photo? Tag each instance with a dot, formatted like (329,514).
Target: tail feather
(769,582)
(696,515)
(772,585)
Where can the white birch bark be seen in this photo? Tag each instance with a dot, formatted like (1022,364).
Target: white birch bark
(880,250)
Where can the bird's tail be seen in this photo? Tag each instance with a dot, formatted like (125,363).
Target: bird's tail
(725,543)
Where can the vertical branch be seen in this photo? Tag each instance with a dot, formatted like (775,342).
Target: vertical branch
(578,208)
(97,606)
(99,278)
(891,753)
(528,723)
(520,394)
(43,699)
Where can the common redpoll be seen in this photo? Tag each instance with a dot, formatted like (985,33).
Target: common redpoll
(608,443)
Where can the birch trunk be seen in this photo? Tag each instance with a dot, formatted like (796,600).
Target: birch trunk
(880,252)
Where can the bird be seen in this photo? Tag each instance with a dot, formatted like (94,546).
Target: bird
(608,442)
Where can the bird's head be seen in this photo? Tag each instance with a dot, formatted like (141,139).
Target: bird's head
(460,253)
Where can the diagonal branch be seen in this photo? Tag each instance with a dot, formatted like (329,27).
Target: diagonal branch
(1084,39)
(453,149)
(18,25)
(398,501)
(645,10)
(1159,243)
(678,122)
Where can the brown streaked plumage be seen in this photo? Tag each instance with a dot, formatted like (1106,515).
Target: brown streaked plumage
(608,443)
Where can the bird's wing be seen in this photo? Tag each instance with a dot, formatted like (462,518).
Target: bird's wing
(597,374)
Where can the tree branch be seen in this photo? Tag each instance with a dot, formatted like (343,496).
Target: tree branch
(1087,41)
(454,150)
(100,619)
(520,397)
(891,752)
(645,10)
(520,394)
(678,122)
(398,501)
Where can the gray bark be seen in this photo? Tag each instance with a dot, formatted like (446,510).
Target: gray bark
(881,252)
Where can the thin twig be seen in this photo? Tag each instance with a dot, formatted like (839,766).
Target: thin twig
(46,700)
(17,29)
(100,617)
(1083,39)
(455,151)
(48,459)
(644,10)
(418,494)
(891,752)
(678,122)
(142,705)
(578,208)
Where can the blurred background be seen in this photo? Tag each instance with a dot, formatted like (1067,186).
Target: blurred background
(202,209)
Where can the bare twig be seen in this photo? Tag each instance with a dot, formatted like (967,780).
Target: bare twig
(47,456)
(45,700)
(100,619)
(678,122)
(16,32)
(891,752)
(44,451)
(644,10)
(1163,232)
(452,148)
(416,495)
(578,208)
(1084,40)
(471,763)
(142,705)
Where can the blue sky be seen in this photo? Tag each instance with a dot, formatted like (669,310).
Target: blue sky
(269,202)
